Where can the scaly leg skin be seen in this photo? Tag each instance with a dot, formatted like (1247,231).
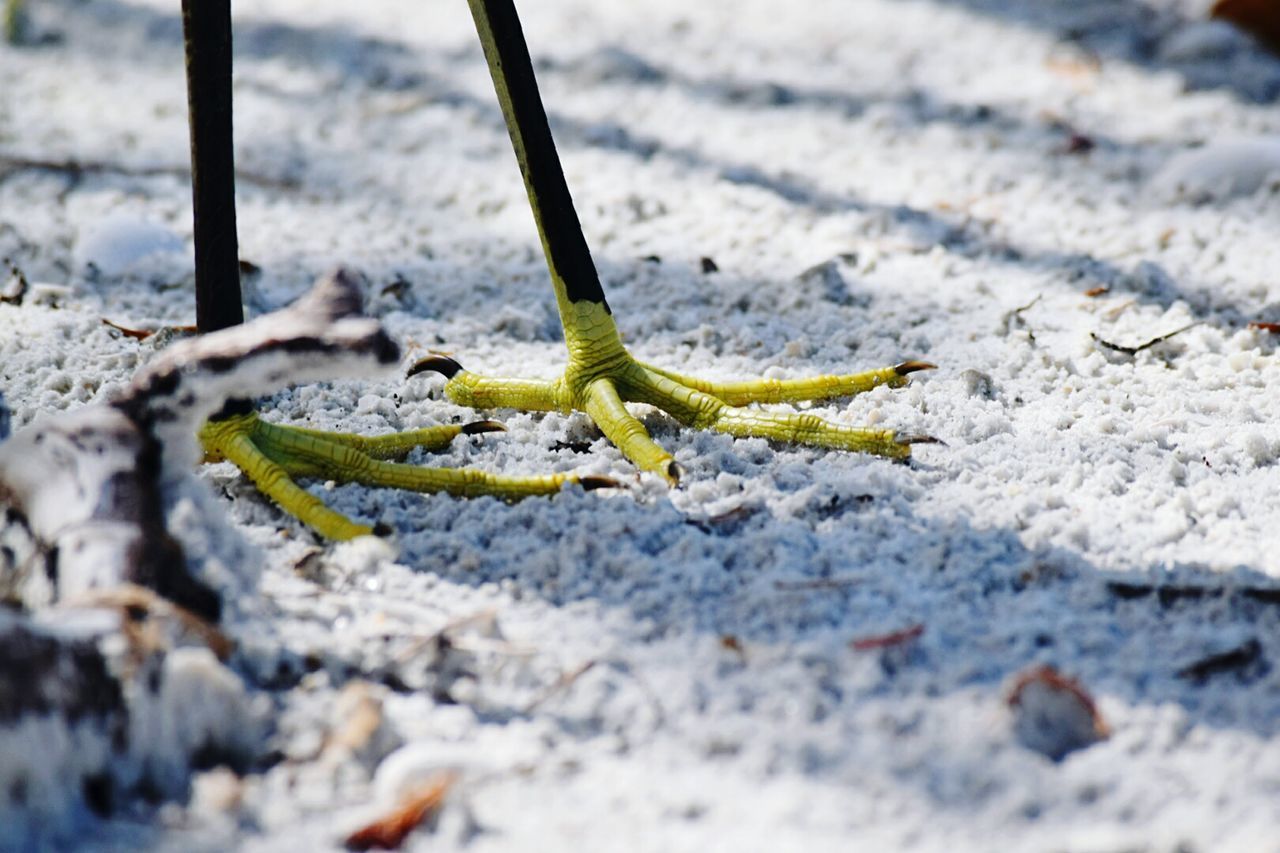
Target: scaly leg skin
(273,455)
(601,375)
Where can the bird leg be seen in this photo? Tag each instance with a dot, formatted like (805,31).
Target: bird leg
(601,376)
(14,26)
(273,455)
(320,336)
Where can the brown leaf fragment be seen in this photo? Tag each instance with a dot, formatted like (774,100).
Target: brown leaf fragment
(732,643)
(311,565)
(136,334)
(1097,291)
(1075,67)
(1262,594)
(1166,594)
(390,831)
(153,622)
(15,290)
(889,640)
(1078,143)
(142,334)
(1273,328)
(1053,714)
(397,287)
(1258,18)
(1240,660)
(738,513)
(1170,594)
(724,521)
(360,729)
(573,446)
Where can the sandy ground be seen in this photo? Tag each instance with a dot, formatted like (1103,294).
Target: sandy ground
(1011,190)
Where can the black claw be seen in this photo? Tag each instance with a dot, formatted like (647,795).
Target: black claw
(913,366)
(478,427)
(441,364)
(674,472)
(593,482)
(918,439)
(382,529)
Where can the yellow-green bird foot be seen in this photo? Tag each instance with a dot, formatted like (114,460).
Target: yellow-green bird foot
(602,376)
(272,456)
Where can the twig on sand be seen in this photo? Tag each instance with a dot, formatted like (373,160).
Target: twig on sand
(565,681)
(816,583)
(1140,347)
(1237,659)
(76,170)
(889,640)
(1168,594)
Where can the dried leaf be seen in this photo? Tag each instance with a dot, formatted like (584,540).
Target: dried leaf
(15,290)
(136,334)
(1258,18)
(389,831)
(885,641)
(141,334)
(732,643)
(146,611)
(1239,659)
(1079,143)
(1053,714)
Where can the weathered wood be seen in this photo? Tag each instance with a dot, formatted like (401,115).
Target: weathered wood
(88,484)
(110,680)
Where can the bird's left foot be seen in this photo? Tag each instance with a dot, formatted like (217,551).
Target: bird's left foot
(273,455)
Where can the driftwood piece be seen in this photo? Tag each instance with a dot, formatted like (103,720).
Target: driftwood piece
(89,484)
(111,683)
(103,702)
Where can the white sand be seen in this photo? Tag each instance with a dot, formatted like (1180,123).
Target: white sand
(925,149)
